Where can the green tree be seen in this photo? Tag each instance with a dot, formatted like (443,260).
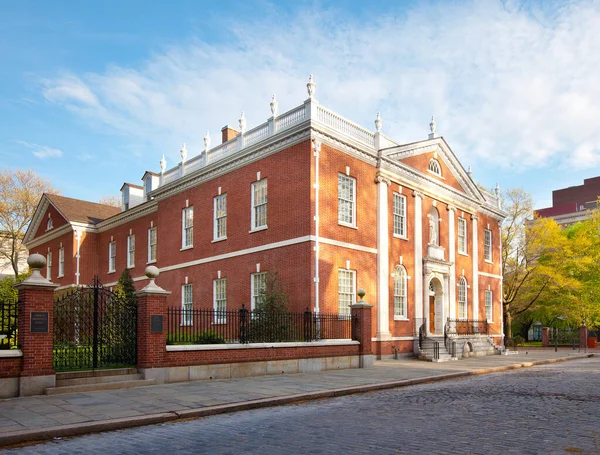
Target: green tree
(271,320)
(20,192)
(125,287)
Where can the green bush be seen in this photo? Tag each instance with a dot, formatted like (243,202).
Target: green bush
(202,337)
(519,340)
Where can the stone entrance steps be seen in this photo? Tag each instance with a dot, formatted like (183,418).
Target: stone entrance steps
(427,351)
(89,381)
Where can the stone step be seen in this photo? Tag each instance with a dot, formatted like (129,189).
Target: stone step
(97,379)
(99,386)
(94,373)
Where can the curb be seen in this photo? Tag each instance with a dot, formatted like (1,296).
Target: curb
(78,429)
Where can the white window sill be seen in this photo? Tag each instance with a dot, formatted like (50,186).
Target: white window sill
(437,175)
(153,261)
(220,239)
(257,229)
(400,318)
(463,254)
(130,267)
(189,247)
(487,261)
(60,276)
(111,271)
(401,237)
(351,226)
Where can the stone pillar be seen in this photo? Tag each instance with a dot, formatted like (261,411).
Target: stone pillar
(583,336)
(418,275)
(545,336)
(452,260)
(36,315)
(361,330)
(152,329)
(383,261)
(475,283)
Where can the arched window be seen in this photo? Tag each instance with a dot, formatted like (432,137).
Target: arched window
(462,298)
(49,223)
(400,303)
(434,166)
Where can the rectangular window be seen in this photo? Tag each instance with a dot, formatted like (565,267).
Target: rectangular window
(152,241)
(259,285)
(220,225)
(399,215)
(187,227)
(346,200)
(488,306)
(49,266)
(259,204)
(462,235)
(487,245)
(220,300)
(186,304)
(112,257)
(400,302)
(346,286)
(131,251)
(61,262)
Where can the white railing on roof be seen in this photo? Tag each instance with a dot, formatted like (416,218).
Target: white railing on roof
(293,117)
(338,123)
(257,134)
(290,118)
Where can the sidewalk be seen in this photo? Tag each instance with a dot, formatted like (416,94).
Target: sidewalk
(45,417)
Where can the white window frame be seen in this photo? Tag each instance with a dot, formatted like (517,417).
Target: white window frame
(462,298)
(487,245)
(187,304)
(187,227)
(152,244)
(61,262)
(346,202)
(346,293)
(259,200)
(220,217)
(131,251)
(112,257)
(49,266)
(434,167)
(462,236)
(49,224)
(399,215)
(258,283)
(489,310)
(148,186)
(400,293)
(220,300)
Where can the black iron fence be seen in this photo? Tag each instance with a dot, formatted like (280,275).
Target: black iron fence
(199,326)
(564,337)
(466,327)
(8,324)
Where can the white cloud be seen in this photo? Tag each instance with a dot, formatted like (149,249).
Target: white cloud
(42,151)
(508,83)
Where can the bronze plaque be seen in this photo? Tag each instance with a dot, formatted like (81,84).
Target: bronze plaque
(156,323)
(39,322)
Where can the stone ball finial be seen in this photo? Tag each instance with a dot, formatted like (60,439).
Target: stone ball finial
(361,293)
(36,261)
(311,86)
(152,272)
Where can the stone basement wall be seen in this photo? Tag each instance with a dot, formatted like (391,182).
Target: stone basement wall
(199,362)
(11,364)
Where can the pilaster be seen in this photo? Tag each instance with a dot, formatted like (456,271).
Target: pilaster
(452,260)
(418,250)
(475,283)
(383,260)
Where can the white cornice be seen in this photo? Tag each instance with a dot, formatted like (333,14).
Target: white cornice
(50,235)
(136,212)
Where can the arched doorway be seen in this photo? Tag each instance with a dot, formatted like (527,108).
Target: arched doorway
(435,304)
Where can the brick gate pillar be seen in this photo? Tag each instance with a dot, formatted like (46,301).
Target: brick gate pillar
(151,329)
(361,330)
(36,311)
(545,336)
(583,335)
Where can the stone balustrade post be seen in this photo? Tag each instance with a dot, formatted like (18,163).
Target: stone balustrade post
(36,316)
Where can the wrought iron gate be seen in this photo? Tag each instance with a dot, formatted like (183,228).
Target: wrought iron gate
(94,328)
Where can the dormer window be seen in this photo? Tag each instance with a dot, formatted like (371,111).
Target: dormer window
(49,223)
(148,186)
(126,199)
(434,166)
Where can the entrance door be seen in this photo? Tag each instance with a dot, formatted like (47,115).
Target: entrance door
(432,314)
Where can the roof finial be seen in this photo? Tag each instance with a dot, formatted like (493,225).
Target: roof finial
(206,141)
(497,190)
(378,122)
(183,153)
(163,164)
(470,173)
(274,105)
(242,122)
(432,127)
(311,86)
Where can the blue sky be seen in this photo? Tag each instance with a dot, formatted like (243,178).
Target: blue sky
(93,93)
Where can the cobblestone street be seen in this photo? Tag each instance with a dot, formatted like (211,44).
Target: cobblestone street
(550,409)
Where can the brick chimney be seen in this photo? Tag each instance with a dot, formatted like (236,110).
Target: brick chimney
(228,133)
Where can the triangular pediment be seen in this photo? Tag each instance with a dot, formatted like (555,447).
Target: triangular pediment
(44,211)
(446,169)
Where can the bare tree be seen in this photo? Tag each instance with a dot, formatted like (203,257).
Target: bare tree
(20,192)
(111,200)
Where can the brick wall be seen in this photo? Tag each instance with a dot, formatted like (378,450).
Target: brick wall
(10,367)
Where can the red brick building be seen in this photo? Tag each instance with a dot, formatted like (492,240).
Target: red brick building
(572,204)
(327,204)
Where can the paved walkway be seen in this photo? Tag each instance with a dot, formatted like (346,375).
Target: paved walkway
(44,417)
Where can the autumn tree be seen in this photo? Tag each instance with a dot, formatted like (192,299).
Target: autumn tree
(20,192)
(114,201)
(531,250)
